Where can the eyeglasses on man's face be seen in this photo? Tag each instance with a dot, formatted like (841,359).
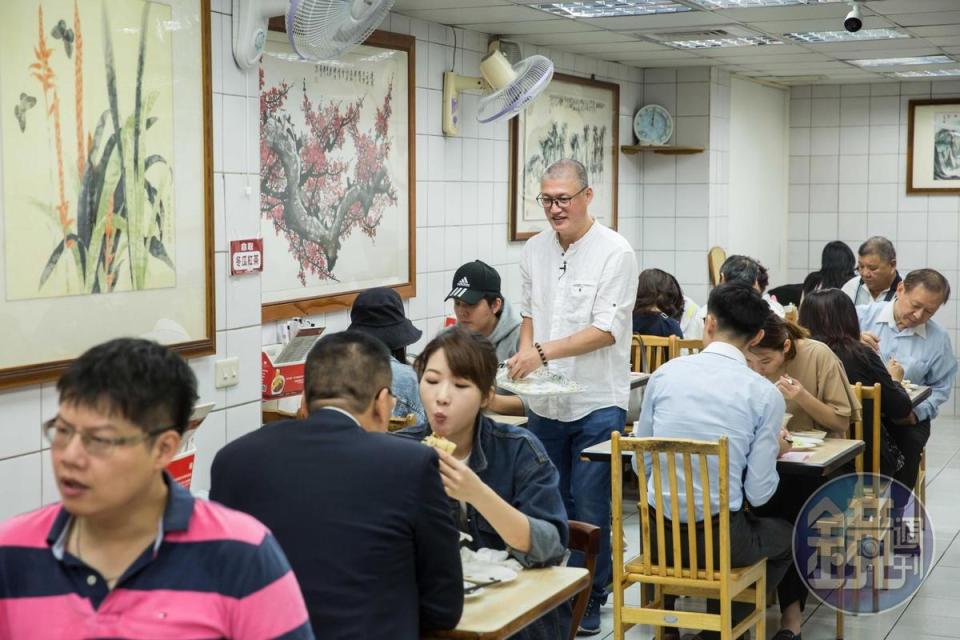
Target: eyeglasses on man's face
(563,202)
(59,434)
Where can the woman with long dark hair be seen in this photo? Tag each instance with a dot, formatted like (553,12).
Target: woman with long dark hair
(659,307)
(837,265)
(831,318)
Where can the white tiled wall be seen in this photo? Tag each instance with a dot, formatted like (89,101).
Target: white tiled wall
(848,148)
(26,480)
(461,196)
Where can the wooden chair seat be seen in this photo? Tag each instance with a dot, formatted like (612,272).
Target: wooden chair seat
(736,575)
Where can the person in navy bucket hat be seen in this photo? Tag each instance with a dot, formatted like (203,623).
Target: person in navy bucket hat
(378,312)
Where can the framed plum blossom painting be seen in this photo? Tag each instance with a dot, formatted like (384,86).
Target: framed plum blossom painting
(337,170)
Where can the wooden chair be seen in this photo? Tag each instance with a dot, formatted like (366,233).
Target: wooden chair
(685,346)
(649,352)
(715,258)
(584,538)
(670,576)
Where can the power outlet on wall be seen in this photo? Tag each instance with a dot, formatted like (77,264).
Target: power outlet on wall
(226,373)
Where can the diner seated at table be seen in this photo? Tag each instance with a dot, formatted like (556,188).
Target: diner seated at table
(831,318)
(903,329)
(877,278)
(659,306)
(837,264)
(504,490)
(818,396)
(740,269)
(378,312)
(714,394)
(361,515)
(479,305)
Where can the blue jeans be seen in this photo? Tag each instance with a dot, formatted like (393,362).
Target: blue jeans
(584,486)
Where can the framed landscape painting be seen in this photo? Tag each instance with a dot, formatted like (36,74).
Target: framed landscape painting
(337,174)
(933,146)
(573,118)
(105,179)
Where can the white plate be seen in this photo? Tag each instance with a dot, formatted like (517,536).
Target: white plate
(803,444)
(472,594)
(480,573)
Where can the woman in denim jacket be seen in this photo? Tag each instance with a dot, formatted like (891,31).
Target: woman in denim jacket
(504,490)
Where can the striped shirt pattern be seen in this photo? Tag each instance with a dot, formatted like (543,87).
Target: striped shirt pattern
(212,573)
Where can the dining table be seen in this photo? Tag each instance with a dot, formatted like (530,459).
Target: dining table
(499,611)
(821,460)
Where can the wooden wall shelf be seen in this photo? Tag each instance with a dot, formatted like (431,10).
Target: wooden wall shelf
(670,150)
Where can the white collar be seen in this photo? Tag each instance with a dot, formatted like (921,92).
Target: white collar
(886,317)
(726,350)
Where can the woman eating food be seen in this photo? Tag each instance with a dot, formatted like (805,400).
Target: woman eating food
(503,487)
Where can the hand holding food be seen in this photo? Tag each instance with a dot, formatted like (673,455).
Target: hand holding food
(439,443)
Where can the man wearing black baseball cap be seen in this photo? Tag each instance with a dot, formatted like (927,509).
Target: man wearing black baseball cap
(480,306)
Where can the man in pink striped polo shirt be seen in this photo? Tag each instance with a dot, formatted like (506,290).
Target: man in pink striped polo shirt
(128,553)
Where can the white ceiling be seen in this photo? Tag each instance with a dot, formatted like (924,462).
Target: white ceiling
(933,24)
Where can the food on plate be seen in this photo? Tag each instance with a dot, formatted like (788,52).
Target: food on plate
(439,442)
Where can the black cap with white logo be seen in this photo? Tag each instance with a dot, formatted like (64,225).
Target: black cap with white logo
(473,281)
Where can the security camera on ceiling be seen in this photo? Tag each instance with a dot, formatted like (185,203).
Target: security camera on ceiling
(853,22)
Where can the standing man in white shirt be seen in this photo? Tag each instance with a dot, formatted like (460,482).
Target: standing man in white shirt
(579,285)
(878,276)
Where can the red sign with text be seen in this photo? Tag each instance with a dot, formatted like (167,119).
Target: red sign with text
(246,256)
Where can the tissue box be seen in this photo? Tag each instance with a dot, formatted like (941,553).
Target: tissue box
(281,366)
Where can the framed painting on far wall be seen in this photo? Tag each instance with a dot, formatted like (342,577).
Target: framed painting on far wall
(573,118)
(106,174)
(933,146)
(337,174)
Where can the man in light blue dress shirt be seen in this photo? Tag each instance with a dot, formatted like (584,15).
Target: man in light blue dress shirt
(714,394)
(902,330)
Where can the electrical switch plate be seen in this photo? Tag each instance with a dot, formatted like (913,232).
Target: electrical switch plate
(226,373)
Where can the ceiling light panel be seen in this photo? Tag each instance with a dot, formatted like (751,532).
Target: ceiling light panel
(813,37)
(897,62)
(611,8)
(749,4)
(734,41)
(927,73)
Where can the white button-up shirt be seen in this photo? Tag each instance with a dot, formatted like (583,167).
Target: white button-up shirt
(592,283)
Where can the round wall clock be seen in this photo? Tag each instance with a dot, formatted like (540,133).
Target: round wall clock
(653,125)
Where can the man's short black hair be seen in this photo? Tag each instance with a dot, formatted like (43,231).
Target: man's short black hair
(350,367)
(491,298)
(138,380)
(738,309)
(740,269)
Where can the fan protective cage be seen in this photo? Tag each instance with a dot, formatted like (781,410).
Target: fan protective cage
(533,74)
(324,29)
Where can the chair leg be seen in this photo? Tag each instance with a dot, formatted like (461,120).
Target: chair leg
(658,597)
(761,604)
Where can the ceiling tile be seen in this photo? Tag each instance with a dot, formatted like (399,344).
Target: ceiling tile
(470,15)
(832,24)
(577,38)
(558,26)
(402,6)
(937,30)
(663,21)
(601,48)
(889,7)
(928,19)
(796,12)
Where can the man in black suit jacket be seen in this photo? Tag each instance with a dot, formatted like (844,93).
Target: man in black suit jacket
(361,515)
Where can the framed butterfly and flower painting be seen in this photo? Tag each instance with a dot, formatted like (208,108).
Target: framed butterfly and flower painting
(105,179)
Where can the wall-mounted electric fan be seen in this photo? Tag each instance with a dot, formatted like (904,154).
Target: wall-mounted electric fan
(317,29)
(508,88)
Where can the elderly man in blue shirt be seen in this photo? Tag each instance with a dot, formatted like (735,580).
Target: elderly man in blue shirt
(902,331)
(714,394)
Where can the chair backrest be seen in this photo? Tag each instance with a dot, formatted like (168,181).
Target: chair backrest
(872,422)
(715,258)
(686,346)
(679,454)
(584,538)
(649,352)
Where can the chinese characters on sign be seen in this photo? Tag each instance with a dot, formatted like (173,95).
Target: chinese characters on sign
(246,256)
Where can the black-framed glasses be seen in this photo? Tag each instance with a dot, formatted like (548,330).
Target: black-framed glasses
(563,202)
(389,393)
(59,434)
